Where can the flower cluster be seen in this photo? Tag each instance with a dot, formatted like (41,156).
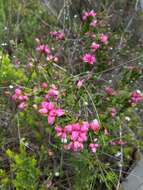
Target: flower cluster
(47,107)
(49,110)
(136,97)
(43,49)
(58,35)
(76,134)
(87,15)
(91,21)
(20,98)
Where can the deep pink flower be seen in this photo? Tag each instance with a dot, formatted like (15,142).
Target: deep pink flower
(51,119)
(89,58)
(136,97)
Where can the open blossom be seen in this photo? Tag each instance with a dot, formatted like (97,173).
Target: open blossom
(94,46)
(86,15)
(113,112)
(58,35)
(22,105)
(20,98)
(93,147)
(136,97)
(93,23)
(50,111)
(44,85)
(103,38)
(89,58)
(110,91)
(43,49)
(80,83)
(76,133)
(52,93)
(95,126)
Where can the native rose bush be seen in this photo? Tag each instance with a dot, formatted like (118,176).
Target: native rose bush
(83,134)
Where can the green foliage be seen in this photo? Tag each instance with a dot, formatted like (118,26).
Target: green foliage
(8,73)
(24,169)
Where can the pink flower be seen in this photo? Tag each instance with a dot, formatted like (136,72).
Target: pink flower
(76,127)
(17,92)
(43,49)
(85,127)
(58,35)
(86,15)
(93,23)
(94,46)
(106,132)
(44,85)
(136,97)
(94,125)
(103,38)
(68,128)
(80,83)
(88,58)
(51,119)
(60,112)
(76,146)
(93,147)
(74,135)
(22,105)
(109,90)
(52,93)
(43,111)
(113,112)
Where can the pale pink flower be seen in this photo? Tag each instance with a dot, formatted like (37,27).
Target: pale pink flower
(109,90)
(103,38)
(89,58)
(93,23)
(94,125)
(60,112)
(94,46)
(93,147)
(17,91)
(43,111)
(106,132)
(22,105)
(113,112)
(80,83)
